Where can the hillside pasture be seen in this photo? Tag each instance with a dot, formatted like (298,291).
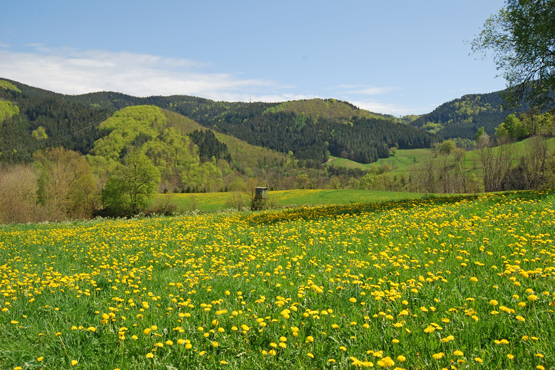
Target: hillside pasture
(405,160)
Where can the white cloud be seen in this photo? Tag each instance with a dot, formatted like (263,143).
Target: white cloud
(71,71)
(389,108)
(4,45)
(76,72)
(366,90)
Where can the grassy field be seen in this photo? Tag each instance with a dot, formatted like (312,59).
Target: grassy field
(404,159)
(440,283)
(212,202)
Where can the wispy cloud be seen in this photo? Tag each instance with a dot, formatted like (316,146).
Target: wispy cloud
(4,45)
(72,71)
(366,90)
(390,108)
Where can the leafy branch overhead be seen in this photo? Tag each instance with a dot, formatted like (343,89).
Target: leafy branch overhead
(522,38)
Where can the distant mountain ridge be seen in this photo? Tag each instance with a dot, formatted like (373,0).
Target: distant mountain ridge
(310,129)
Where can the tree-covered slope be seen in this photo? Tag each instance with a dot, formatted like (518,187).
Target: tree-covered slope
(310,129)
(464,116)
(292,128)
(318,108)
(34,119)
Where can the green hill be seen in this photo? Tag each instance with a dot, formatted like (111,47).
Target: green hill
(464,116)
(310,129)
(330,109)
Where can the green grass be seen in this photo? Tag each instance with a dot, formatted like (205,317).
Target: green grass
(411,284)
(405,159)
(212,202)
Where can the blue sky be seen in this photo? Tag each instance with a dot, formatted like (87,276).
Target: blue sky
(397,57)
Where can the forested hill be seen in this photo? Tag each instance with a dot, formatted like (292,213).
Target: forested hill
(363,138)
(464,116)
(38,119)
(310,129)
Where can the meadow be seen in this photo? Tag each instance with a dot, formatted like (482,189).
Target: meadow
(437,283)
(405,159)
(213,202)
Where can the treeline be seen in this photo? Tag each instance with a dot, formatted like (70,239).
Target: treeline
(461,118)
(58,186)
(505,161)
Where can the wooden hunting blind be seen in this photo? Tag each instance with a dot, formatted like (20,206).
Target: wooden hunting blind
(260,198)
(262,192)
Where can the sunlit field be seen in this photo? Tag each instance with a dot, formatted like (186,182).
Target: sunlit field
(213,202)
(436,283)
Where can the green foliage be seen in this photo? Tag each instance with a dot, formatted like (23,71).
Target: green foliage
(66,186)
(408,118)
(134,183)
(447,146)
(464,116)
(209,146)
(7,110)
(65,122)
(521,36)
(40,133)
(363,139)
(206,175)
(511,128)
(464,143)
(8,86)
(537,123)
(127,125)
(313,128)
(479,133)
(318,108)
(146,129)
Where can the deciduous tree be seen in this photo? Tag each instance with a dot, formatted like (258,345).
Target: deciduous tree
(522,37)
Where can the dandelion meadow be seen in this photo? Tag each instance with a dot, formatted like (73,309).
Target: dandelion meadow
(454,283)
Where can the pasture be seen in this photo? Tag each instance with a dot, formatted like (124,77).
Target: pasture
(458,282)
(213,202)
